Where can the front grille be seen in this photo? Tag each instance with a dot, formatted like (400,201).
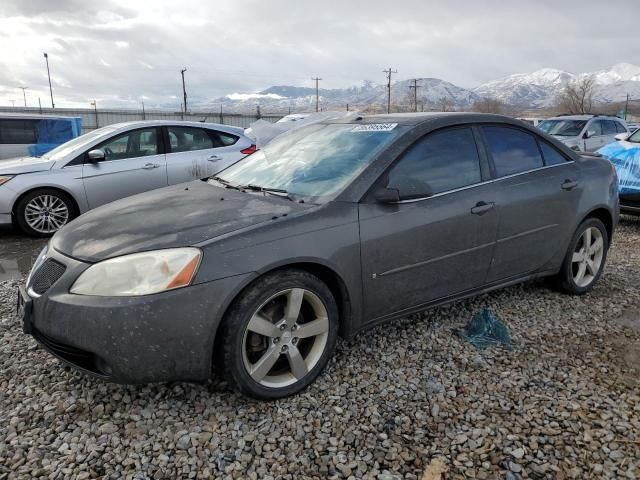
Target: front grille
(46,276)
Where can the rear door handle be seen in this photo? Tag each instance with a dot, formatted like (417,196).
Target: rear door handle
(150,166)
(482,207)
(214,158)
(569,185)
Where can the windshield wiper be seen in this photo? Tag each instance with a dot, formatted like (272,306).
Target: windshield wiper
(226,184)
(278,192)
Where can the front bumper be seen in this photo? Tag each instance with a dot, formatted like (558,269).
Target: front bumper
(154,338)
(5,219)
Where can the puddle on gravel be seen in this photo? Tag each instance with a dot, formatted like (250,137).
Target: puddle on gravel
(17,253)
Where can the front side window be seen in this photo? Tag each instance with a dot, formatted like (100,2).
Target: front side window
(513,151)
(18,132)
(595,129)
(551,155)
(563,128)
(443,160)
(188,139)
(138,143)
(316,161)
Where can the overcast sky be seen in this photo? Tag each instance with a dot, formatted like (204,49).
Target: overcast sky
(120,52)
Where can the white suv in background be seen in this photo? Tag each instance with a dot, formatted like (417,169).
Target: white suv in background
(585,133)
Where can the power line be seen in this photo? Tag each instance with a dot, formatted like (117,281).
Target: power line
(388,72)
(415,88)
(317,92)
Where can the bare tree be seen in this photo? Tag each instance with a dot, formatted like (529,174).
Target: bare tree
(488,105)
(445,104)
(577,96)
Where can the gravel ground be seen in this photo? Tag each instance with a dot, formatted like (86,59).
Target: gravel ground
(407,400)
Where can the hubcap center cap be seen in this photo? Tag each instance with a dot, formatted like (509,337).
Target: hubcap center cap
(286,336)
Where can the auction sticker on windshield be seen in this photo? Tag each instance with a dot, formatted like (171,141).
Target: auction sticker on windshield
(375,127)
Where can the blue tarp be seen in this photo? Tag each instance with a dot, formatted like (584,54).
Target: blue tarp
(625,157)
(52,132)
(484,329)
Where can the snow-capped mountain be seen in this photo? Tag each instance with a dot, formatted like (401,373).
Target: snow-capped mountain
(540,88)
(525,90)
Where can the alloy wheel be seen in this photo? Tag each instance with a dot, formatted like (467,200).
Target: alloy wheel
(285,338)
(587,257)
(46,213)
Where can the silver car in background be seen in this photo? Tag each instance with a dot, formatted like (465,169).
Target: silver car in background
(584,133)
(40,195)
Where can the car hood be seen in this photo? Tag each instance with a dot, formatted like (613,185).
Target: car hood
(176,216)
(25,165)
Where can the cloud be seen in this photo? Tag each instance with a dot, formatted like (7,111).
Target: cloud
(118,51)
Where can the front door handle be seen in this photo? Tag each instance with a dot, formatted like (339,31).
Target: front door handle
(569,184)
(482,207)
(150,166)
(214,158)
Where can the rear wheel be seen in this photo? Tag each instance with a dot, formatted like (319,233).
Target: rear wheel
(42,212)
(585,259)
(279,335)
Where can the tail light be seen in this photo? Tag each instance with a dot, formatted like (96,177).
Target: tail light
(249,150)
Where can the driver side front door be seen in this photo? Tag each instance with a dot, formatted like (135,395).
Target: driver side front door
(134,163)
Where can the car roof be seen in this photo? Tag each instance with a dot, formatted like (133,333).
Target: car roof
(33,116)
(422,117)
(177,123)
(583,117)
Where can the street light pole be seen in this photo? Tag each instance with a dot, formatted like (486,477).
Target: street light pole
(24,95)
(184,90)
(46,58)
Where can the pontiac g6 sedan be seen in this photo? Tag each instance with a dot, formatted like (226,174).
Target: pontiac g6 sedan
(330,229)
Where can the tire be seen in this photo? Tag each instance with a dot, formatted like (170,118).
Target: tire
(61,210)
(262,365)
(569,279)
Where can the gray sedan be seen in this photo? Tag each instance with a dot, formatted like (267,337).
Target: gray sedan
(328,230)
(42,194)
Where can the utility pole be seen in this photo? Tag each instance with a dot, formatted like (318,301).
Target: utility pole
(388,72)
(317,93)
(184,90)
(144,114)
(46,58)
(40,105)
(95,109)
(626,108)
(415,88)
(24,95)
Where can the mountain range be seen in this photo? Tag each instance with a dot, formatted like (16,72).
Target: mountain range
(538,89)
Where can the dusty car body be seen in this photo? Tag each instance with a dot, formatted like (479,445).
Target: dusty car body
(273,263)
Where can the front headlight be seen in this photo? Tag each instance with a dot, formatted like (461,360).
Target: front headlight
(140,273)
(5,178)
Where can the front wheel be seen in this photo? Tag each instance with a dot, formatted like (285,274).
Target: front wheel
(585,259)
(42,212)
(279,335)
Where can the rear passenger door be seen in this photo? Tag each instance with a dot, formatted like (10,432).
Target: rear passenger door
(537,190)
(595,137)
(195,153)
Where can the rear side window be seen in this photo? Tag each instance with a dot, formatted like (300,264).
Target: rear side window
(620,128)
(513,151)
(20,132)
(444,160)
(222,139)
(609,127)
(188,139)
(551,155)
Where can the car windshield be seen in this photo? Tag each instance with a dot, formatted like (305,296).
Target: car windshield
(317,161)
(635,137)
(563,128)
(63,150)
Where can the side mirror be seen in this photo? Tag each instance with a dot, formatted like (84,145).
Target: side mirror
(403,188)
(387,195)
(589,134)
(621,136)
(96,155)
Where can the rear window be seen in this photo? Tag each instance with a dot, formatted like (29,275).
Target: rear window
(513,151)
(21,132)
